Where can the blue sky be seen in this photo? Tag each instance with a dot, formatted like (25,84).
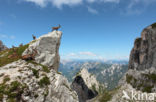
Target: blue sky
(92,29)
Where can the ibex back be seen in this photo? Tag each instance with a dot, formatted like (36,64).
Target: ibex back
(56,28)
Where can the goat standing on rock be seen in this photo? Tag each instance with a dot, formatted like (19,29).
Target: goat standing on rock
(34,37)
(30,56)
(56,28)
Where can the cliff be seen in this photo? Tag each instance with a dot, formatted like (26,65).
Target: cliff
(47,47)
(141,76)
(143,54)
(34,80)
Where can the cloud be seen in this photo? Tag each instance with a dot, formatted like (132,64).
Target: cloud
(81,55)
(111,1)
(93,56)
(57,3)
(105,1)
(87,53)
(60,3)
(91,10)
(41,3)
(4,36)
(127,7)
(72,54)
(137,6)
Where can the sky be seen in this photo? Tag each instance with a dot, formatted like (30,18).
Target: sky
(92,29)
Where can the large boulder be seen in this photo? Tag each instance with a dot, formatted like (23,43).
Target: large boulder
(47,47)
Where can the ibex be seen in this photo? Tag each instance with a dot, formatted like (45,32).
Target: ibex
(34,37)
(56,28)
(30,56)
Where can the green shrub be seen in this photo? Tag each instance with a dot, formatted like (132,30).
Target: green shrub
(150,76)
(5,60)
(6,78)
(44,68)
(44,81)
(13,91)
(128,78)
(147,89)
(105,97)
(94,87)
(35,72)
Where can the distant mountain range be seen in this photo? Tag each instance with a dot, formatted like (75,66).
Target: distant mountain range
(107,72)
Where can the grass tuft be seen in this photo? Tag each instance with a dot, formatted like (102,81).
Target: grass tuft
(11,55)
(44,81)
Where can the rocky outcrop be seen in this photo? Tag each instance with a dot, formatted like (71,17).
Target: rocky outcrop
(28,82)
(36,80)
(142,64)
(86,85)
(2,47)
(47,47)
(141,76)
(143,54)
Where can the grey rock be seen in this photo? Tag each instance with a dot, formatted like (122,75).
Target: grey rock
(86,85)
(84,93)
(143,54)
(47,47)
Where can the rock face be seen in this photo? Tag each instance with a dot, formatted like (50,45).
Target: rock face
(2,47)
(142,64)
(86,85)
(84,93)
(143,54)
(141,76)
(47,47)
(36,80)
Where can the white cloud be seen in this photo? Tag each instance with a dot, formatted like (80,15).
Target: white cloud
(111,1)
(81,55)
(91,10)
(137,6)
(41,3)
(57,3)
(131,7)
(105,1)
(87,53)
(4,36)
(93,56)
(72,54)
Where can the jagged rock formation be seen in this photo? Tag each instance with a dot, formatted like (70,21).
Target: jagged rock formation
(143,54)
(142,63)
(2,47)
(86,85)
(141,76)
(47,47)
(36,80)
